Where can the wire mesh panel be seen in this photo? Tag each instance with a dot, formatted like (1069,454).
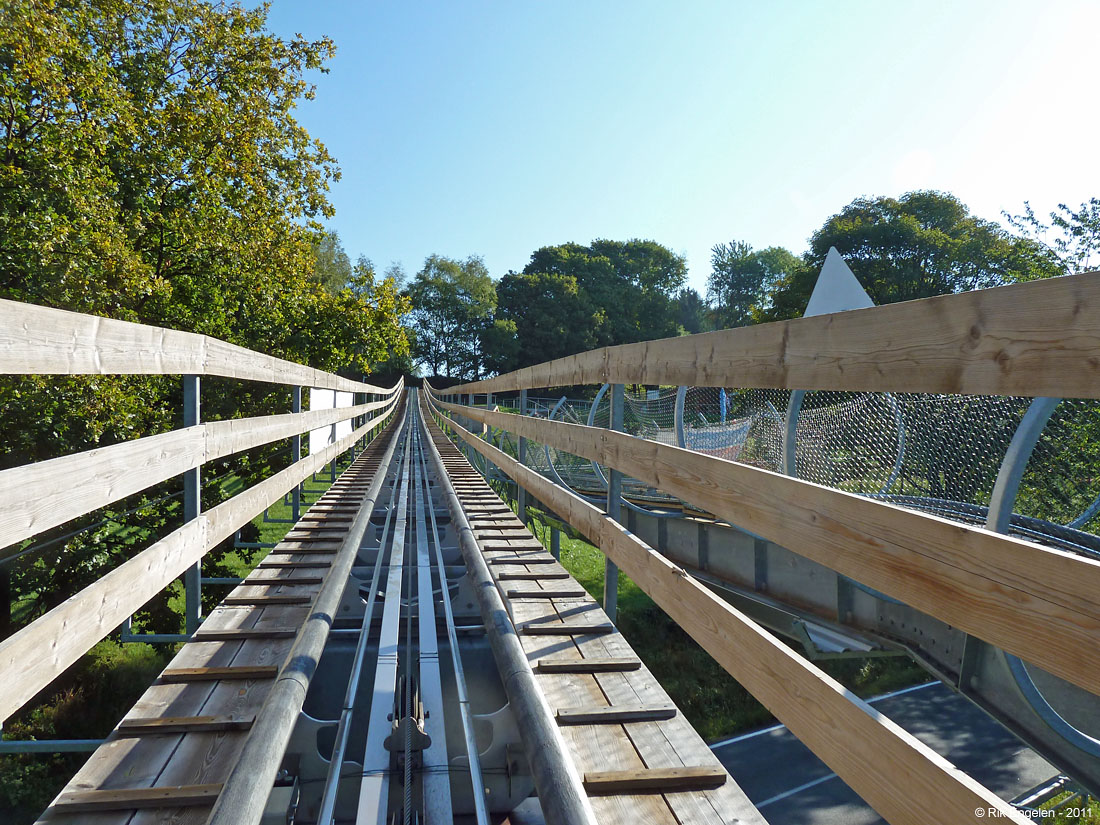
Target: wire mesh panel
(737,425)
(940,454)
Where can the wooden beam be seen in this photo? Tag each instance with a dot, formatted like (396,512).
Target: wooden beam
(137,726)
(1030,600)
(547,559)
(889,767)
(547,594)
(136,799)
(37,340)
(564,629)
(260,601)
(1039,338)
(614,714)
(243,634)
(654,780)
(218,674)
(591,665)
(533,575)
(36,502)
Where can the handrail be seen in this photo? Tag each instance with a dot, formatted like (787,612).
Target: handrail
(1034,601)
(35,502)
(1039,338)
(38,653)
(37,340)
(868,751)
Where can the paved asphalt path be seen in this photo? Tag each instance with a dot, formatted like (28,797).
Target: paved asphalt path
(791,786)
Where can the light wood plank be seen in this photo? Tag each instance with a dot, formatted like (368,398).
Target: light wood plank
(138,798)
(1033,339)
(656,780)
(136,726)
(614,714)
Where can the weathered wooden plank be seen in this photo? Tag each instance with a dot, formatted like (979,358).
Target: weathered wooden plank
(587,665)
(217,674)
(658,780)
(141,726)
(1030,600)
(138,798)
(891,769)
(259,601)
(548,559)
(36,340)
(547,594)
(564,629)
(243,634)
(614,714)
(533,575)
(284,565)
(1032,339)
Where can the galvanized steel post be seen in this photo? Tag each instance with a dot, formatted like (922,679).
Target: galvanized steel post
(521,493)
(192,506)
(296,455)
(614,508)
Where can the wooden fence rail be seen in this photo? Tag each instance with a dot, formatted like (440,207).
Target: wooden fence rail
(898,775)
(1033,339)
(40,496)
(38,340)
(35,502)
(1034,601)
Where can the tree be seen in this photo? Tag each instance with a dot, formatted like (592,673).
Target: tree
(693,311)
(921,244)
(452,303)
(151,170)
(331,264)
(1073,238)
(549,315)
(629,285)
(741,280)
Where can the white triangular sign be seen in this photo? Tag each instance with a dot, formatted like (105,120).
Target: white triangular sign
(837,288)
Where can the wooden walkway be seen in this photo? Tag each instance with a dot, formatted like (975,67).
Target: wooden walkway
(640,759)
(166,759)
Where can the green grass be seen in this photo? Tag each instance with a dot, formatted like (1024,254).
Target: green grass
(712,700)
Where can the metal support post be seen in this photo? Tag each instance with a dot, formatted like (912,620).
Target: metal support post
(555,542)
(296,456)
(521,493)
(614,509)
(192,506)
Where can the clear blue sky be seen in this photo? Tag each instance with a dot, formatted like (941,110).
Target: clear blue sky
(492,129)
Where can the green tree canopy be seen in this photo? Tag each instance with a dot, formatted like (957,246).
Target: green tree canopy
(331,265)
(152,170)
(921,244)
(629,286)
(741,280)
(1073,237)
(694,314)
(550,316)
(452,305)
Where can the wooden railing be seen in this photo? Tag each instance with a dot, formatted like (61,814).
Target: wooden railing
(41,341)
(1035,339)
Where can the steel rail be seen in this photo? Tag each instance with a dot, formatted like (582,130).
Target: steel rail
(557,780)
(327,810)
(374,789)
(244,795)
(476,781)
